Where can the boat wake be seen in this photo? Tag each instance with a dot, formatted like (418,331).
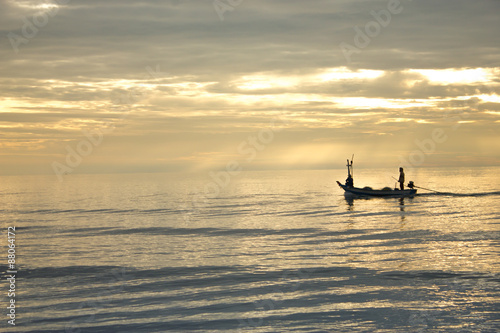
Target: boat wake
(451,194)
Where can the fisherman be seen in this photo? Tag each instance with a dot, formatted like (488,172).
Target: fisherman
(401,180)
(349,182)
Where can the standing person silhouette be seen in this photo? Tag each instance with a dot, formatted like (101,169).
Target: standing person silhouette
(401,180)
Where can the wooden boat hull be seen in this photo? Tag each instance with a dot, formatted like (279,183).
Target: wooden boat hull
(377,193)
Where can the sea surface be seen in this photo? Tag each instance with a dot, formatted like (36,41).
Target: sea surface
(260,251)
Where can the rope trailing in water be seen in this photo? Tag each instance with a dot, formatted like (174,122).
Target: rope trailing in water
(427,189)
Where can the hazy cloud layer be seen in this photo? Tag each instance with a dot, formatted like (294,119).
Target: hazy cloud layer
(172,86)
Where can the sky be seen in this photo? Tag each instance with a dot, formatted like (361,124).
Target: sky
(184,85)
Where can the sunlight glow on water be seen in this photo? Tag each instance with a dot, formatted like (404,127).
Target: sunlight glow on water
(274,251)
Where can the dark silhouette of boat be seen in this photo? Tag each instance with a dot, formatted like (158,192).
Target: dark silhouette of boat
(349,188)
(385,192)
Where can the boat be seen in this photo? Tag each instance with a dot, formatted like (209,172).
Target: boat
(385,192)
(350,189)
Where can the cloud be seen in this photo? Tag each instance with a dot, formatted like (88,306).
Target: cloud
(172,77)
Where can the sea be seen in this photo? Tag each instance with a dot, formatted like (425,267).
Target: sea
(254,251)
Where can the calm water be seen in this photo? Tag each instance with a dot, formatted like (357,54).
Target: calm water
(273,252)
